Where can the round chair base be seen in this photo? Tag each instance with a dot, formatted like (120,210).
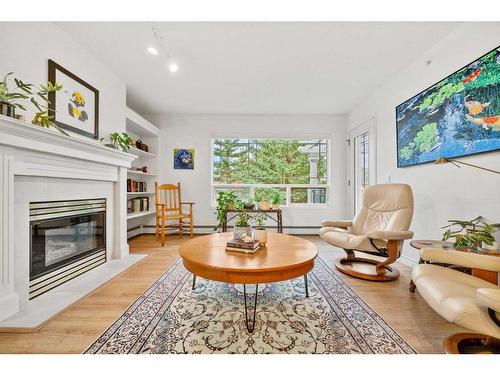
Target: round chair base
(358,268)
(471,343)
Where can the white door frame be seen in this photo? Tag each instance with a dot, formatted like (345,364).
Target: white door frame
(370,126)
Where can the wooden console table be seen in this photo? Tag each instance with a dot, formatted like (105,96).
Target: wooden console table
(489,276)
(231,214)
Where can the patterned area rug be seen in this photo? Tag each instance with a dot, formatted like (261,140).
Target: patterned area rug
(169,317)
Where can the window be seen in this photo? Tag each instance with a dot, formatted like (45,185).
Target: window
(298,168)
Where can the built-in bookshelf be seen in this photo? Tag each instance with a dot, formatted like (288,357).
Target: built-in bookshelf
(143,174)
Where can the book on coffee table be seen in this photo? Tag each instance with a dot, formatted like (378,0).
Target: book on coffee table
(241,246)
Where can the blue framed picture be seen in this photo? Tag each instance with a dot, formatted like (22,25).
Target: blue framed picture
(458,116)
(183,158)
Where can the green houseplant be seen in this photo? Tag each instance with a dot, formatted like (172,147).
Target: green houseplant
(225,200)
(276,199)
(263,197)
(470,233)
(242,226)
(9,100)
(119,141)
(259,230)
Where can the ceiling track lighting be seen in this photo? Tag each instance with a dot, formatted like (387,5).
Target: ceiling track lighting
(156,48)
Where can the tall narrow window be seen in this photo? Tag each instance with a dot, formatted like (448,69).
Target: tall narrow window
(361,168)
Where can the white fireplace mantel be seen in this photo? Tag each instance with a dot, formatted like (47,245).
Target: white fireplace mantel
(28,150)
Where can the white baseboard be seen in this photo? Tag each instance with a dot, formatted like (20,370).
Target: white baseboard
(209,230)
(407,261)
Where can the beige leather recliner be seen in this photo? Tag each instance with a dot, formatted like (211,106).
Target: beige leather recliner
(379,228)
(458,297)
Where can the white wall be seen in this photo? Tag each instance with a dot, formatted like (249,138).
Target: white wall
(196,131)
(441,192)
(25,49)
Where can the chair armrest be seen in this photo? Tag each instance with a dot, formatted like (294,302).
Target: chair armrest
(489,298)
(461,258)
(390,235)
(188,203)
(336,223)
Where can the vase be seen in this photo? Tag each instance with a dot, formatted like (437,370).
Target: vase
(275,206)
(7,110)
(240,232)
(265,205)
(261,236)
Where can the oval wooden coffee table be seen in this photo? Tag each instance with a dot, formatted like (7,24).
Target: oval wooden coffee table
(283,258)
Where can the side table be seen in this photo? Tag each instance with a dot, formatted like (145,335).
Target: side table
(489,276)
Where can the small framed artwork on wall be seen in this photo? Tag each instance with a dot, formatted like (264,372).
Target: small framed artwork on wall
(183,158)
(76,106)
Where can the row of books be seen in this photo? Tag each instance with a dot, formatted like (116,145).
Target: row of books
(137,205)
(135,186)
(240,246)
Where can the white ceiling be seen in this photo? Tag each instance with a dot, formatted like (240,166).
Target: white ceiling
(256,67)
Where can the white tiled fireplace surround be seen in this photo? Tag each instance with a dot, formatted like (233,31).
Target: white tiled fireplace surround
(42,165)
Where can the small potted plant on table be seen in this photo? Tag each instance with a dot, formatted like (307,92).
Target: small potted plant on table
(242,227)
(263,198)
(474,234)
(259,231)
(226,200)
(276,199)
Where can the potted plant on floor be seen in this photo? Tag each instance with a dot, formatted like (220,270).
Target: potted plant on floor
(242,227)
(226,200)
(259,231)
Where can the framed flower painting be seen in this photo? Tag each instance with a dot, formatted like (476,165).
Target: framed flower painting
(76,106)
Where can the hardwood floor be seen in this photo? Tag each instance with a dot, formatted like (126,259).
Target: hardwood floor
(74,329)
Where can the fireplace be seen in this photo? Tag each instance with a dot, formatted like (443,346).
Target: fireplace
(68,238)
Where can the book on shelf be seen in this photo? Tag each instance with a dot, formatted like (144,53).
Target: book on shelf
(240,244)
(134,186)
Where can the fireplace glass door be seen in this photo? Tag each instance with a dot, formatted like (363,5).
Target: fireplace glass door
(61,241)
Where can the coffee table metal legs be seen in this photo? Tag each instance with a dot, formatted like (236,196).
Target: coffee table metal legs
(251,327)
(307,286)
(194,281)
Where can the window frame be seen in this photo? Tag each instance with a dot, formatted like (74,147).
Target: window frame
(288,187)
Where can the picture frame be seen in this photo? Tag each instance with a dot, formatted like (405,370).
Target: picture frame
(456,117)
(183,158)
(76,106)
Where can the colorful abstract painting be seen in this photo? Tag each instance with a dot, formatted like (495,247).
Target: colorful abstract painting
(457,116)
(183,158)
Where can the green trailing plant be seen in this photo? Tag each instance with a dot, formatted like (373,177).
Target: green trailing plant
(243,220)
(260,221)
(120,141)
(224,199)
(470,233)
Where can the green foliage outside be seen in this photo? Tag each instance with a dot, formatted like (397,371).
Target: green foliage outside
(270,161)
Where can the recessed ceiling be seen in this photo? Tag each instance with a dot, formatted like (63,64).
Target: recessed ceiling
(256,67)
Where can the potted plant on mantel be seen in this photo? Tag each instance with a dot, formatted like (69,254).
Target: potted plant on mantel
(475,233)
(242,227)
(259,231)
(9,100)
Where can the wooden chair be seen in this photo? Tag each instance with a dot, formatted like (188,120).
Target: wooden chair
(169,205)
